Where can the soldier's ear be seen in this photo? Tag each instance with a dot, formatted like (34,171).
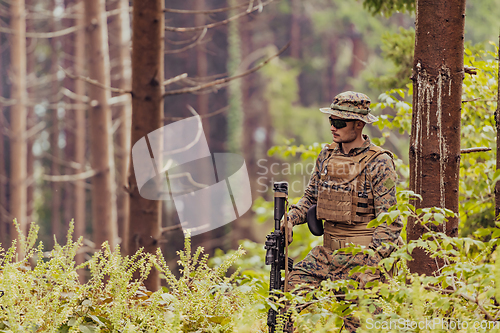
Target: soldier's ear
(360,124)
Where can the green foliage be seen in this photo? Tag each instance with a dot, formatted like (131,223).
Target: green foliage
(212,297)
(289,149)
(481,21)
(388,7)
(398,47)
(464,289)
(478,130)
(43,292)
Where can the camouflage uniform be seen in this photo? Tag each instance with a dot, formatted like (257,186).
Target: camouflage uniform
(320,264)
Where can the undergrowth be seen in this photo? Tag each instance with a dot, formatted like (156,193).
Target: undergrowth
(42,292)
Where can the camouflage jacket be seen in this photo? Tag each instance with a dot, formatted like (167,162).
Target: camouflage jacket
(383,185)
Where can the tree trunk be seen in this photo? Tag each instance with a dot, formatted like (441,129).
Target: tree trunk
(101,143)
(31,120)
(235,112)
(120,25)
(4,235)
(80,197)
(5,220)
(147,116)
(74,197)
(435,137)
(295,29)
(54,138)
(18,150)
(202,69)
(497,119)
(243,227)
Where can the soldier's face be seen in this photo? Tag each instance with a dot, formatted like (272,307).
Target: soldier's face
(346,134)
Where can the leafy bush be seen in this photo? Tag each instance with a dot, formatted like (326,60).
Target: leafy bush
(43,292)
(463,295)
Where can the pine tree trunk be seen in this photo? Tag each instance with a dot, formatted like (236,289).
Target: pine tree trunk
(235,112)
(18,150)
(120,26)
(497,120)
(31,120)
(435,137)
(79,130)
(80,133)
(202,70)
(295,29)
(243,228)
(54,139)
(4,179)
(4,235)
(101,143)
(147,116)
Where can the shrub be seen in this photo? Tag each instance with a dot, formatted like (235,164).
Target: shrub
(43,292)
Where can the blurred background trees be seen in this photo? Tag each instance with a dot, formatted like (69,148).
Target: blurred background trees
(335,46)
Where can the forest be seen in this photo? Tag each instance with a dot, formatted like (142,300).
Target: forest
(140,141)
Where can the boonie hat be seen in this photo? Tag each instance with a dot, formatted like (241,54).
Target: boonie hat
(351,105)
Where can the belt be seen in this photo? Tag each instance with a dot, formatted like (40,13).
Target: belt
(334,243)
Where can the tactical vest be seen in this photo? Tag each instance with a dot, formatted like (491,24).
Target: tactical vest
(342,206)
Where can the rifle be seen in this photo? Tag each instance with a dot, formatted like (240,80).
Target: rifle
(275,250)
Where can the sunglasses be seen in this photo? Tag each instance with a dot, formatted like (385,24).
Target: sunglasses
(340,123)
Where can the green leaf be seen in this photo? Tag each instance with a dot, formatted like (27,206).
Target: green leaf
(86,328)
(496,233)
(394,214)
(496,176)
(426,217)
(439,217)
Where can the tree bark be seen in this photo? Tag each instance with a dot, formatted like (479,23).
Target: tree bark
(74,45)
(5,220)
(18,150)
(295,29)
(497,120)
(4,235)
(235,112)
(80,135)
(101,143)
(243,227)
(147,116)
(54,138)
(31,121)
(202,69)
(435,137)
(120,25)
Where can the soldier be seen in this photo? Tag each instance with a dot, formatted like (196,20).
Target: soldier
(353,182)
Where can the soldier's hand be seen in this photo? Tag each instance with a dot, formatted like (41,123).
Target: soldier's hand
(290,231)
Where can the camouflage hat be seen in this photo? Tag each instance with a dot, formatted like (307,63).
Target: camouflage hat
(351,105)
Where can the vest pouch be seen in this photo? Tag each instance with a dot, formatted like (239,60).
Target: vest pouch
(342,171)
(334,205)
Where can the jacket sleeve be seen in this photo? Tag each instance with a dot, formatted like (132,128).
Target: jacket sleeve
(383,181)
(298,212)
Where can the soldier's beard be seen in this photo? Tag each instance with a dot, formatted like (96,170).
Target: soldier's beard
(346,138)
